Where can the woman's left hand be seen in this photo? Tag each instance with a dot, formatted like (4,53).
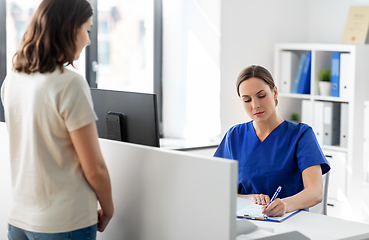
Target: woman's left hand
(277,208)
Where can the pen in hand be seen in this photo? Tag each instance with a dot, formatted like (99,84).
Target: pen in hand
(274,196)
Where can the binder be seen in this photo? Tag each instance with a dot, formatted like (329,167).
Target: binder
(346,75)
(335,75)
(253,212)
(318,121)
(304,86)
(344,125)
(306,112)
(295,87)
(289,64)
(331,126)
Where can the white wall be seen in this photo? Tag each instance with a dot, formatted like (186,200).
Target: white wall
(249,30)
(234,34)
(327,19)
(244,31)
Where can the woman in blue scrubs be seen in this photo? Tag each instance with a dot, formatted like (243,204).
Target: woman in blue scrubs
(272,151)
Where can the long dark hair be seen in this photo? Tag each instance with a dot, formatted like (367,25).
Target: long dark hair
(49,40)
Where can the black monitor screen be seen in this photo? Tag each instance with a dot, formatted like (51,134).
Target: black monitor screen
(127,116)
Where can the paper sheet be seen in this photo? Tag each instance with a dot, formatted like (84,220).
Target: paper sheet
(255,210)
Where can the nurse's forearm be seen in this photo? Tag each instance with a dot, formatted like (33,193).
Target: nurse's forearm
(311,195)
(305,199)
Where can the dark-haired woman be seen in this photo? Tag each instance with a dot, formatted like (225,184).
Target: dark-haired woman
(58,173)
(271,151)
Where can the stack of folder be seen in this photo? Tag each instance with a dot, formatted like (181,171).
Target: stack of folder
(341,74)
(295,72)
(328,119)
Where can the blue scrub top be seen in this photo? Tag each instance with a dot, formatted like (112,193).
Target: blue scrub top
(277,161)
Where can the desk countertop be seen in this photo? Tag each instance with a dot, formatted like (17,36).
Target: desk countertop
(315,226)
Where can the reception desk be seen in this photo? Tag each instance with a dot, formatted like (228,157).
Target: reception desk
(158,194)
(171,195)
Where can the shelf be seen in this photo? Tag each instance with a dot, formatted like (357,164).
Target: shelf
(334,148)
(316,47)
(348,154)
(330,99)
(349,162)
(295,95)
(313,97)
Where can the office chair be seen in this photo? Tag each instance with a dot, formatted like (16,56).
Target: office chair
(322,207)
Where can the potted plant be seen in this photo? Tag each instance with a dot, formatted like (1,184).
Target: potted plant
(325,82)
(295,117)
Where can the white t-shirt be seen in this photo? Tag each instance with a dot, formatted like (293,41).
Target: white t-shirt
(50,191)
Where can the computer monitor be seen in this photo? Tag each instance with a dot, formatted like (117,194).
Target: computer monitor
(127,116)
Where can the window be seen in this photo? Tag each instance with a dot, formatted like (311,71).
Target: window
(125,45)
(191,70)
(124,42)
(126,53)
(122,55)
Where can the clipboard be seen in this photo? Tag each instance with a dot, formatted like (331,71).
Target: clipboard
(253,212)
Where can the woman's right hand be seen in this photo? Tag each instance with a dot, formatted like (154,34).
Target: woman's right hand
(260,199)
(103,220)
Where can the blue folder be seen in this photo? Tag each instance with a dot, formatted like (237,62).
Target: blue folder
(304,86)
(335,74)
(296,83)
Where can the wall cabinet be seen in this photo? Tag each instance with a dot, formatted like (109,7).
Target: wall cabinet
(344,112)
